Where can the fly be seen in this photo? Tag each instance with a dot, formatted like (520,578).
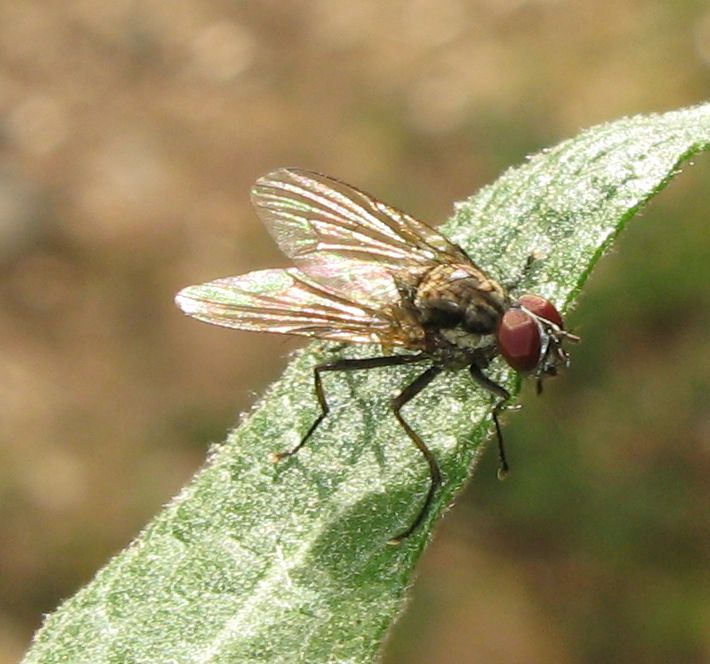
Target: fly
(366,272)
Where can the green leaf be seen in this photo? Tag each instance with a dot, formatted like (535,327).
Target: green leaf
(256,562)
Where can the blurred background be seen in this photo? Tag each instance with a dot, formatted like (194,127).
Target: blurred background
(130,134)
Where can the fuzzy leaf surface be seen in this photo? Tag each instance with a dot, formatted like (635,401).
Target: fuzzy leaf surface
(256,562)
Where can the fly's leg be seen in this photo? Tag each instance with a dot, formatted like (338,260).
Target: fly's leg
(344,365)
(525,272)
(398,403)
(503,395)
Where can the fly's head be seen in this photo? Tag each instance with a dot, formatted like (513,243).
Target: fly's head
(530,336)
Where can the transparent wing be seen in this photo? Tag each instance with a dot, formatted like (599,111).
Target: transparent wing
(286,302)
(345,239)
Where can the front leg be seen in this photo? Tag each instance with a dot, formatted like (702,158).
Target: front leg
(503,395)
(525,272)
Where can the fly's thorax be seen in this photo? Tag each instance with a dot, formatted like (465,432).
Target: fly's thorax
(456,349)
(460,296)
(466,342)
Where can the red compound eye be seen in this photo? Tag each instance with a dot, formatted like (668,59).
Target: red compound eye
(518,338)
(518,332)
(542,307)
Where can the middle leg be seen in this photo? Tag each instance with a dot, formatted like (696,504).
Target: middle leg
(344,365)
(398,403)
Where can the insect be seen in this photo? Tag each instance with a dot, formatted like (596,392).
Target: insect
(366,272)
